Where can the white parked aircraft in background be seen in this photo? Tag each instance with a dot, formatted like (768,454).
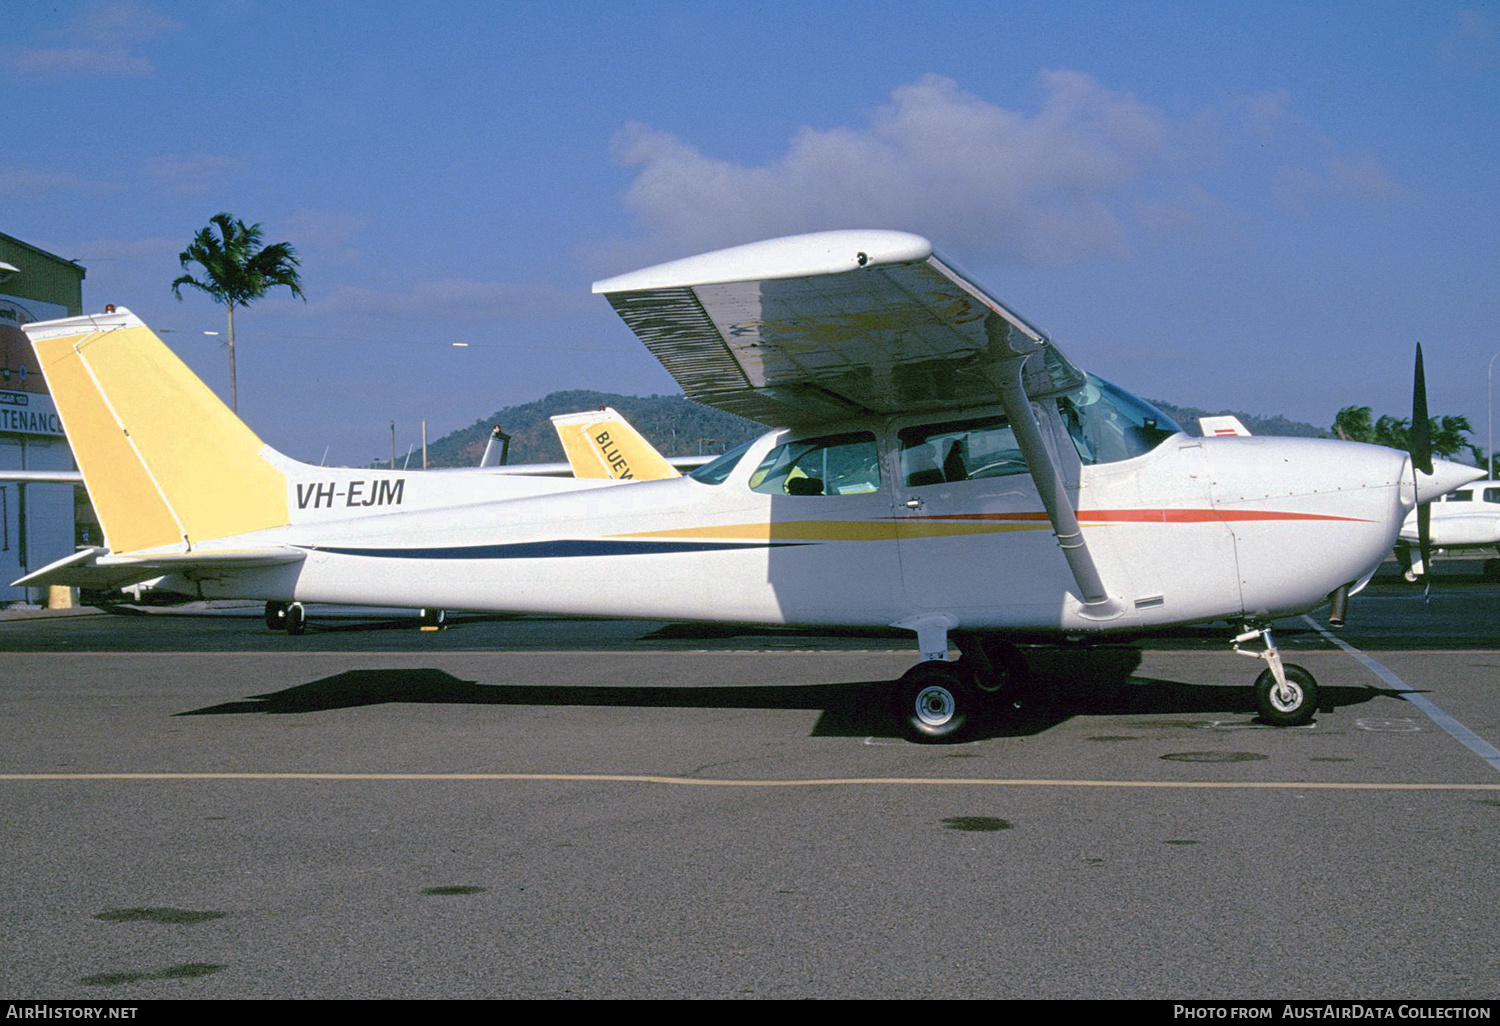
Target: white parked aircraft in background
(1466,519)
(944,469)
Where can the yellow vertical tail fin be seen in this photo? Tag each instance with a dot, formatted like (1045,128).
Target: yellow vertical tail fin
(165,461)
(602,444)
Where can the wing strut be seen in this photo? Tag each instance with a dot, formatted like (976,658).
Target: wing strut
(1006,376)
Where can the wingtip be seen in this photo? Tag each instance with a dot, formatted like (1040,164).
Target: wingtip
(791,256)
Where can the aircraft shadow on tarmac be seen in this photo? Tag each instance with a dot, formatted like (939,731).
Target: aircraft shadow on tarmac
(1069,683)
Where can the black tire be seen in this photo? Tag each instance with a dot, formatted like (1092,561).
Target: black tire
(1280,713)
(296,618)
(275,616)
(998,671)
(433,617)
(937,702)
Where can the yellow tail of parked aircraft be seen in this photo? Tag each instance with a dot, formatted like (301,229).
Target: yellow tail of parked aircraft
(945,469)
(603,444)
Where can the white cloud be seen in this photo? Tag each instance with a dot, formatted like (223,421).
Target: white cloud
(1268,112)
(1305,162)
(128,272)
(1472,43)
(324,231)
(1042,187)
(1188,213)
(192,174)
(1090,172)
(447,297)
(101,40)
(27,181)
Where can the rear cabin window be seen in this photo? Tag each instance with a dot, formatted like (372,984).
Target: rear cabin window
(837,465)
(715,471)
(959,451)
(1492,495)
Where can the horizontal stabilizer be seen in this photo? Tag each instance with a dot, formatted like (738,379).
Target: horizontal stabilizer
(97,568)
(42,476)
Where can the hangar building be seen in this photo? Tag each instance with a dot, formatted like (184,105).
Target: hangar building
(38,522)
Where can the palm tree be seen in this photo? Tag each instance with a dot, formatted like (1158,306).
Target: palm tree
(237,271)
(1446,434)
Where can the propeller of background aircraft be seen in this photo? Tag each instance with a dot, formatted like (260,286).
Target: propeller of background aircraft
(1419,444)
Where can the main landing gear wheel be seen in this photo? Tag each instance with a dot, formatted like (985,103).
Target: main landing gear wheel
(998,671)
(433,617)
(276,616)
(1290,708)
(296,618)
(937,701)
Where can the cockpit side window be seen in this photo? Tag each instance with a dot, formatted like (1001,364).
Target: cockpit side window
(1464,495)
(1108,424)
(959,451)
(847,464)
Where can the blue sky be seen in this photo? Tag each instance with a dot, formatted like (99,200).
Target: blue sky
(1260,206)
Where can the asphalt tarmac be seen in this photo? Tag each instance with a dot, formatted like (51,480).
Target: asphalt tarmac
(196,807)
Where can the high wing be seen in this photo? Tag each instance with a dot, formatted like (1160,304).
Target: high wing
(818,328)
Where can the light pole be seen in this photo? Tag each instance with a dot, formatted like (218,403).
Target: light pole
(1490,441)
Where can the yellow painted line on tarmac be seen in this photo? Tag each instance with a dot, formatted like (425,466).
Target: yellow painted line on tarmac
(637,778)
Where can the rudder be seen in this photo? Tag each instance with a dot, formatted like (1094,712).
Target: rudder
(166,463)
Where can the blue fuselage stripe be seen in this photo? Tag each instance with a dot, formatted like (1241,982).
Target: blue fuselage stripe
(560,549)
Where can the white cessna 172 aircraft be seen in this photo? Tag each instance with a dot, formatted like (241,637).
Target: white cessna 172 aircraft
(1466,519)
(943,469)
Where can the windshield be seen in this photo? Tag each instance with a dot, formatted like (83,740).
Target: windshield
(1108,424)
(715,472)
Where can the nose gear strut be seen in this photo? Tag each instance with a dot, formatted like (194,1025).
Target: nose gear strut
(1286,695)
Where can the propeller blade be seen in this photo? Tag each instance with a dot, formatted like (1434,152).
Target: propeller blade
(1420,443)
(1424,536)
(1421,429)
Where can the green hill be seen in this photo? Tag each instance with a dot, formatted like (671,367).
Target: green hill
(674,424)
(679,427)
(1187,417)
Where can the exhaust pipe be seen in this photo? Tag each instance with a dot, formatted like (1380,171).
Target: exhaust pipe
(1340,599)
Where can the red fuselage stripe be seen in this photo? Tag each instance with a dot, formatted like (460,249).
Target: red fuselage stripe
(1152,516)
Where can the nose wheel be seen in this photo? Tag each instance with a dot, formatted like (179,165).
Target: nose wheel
(1290,705)
(1286,695)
